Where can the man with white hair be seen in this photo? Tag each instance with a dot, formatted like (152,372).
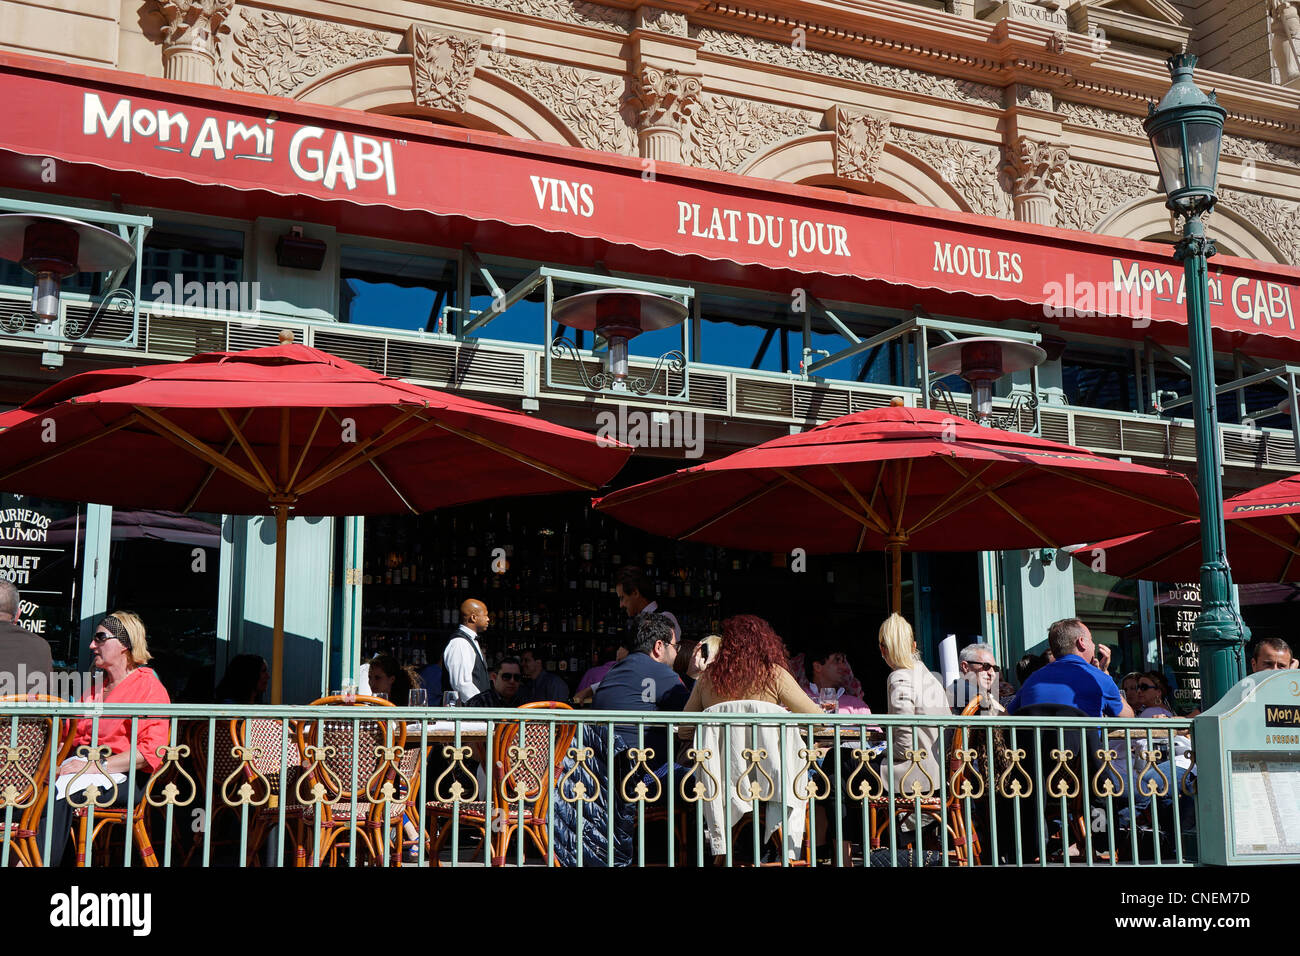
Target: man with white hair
(22,653)
(979,676)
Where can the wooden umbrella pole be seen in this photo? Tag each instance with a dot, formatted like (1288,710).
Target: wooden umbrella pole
(277,647)
(280,502)
(894,548)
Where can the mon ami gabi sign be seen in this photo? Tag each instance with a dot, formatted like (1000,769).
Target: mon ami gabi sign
(260,143)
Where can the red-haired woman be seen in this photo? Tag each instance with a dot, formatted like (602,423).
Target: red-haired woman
(750,665)
(749,676)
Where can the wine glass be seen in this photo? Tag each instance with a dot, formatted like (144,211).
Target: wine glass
(450,699)
(828,699)
(418,697)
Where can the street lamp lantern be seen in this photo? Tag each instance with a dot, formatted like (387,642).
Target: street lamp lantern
(1186,130)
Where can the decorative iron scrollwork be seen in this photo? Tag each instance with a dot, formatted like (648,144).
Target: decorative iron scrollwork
(1104,780)
(813,789)
(913,790)
(388,788)
(120,301)
(172,757)
(864,790)
(248,770)
(699,790)
(604,380)
(578,786)
(755,757)
(959,784)
(640,770)
(93,757)
(517,790)
(456,789)
(320,793)
(1008,785)
(1062,782)
(1146,785)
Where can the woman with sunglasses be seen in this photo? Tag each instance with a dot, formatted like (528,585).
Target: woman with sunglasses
(119,650)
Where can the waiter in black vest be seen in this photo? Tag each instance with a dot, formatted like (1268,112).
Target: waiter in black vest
(463,668)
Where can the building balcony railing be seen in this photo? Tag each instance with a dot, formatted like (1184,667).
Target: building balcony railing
(372,785)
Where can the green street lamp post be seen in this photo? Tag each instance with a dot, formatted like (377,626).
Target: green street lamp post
(1186,131)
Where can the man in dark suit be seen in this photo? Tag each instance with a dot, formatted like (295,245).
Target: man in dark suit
(25,662)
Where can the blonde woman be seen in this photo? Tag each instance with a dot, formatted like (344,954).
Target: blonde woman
(912,689)
(119,650)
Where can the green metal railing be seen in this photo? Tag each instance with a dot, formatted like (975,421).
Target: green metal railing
(374,779)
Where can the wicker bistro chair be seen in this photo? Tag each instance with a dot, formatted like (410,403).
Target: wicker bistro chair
(949,812)
(261,740)
(25,774)
(332,797)
(533,777)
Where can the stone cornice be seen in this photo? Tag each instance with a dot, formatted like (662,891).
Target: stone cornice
(903,34)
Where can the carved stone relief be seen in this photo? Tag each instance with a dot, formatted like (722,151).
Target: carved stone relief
(1033,166)
(860,139)
(1095,117)
(662,21)
(663,100)
(1034,97)
(1279,153)
(589,103)
(1086,193)
(970,169)
(567,11)
(1275,218)
(726,131)
(849,68)
(190,35)
(278,52)
(444,67)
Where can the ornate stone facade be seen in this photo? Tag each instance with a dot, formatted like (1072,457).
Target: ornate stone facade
(663,100)
(1095,117)
(972,170)
(662,21)
(726,132)
(190,38)
(756,50)
(589,103)
(1284,40)
(1086,193)
(1033,168)
(278,52)
(1033,97)
(860,139)
(443,68)
(1275,218)
(567,11)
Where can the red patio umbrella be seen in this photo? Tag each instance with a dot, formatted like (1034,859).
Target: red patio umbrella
(903,479)
(1263,542)
(287,428)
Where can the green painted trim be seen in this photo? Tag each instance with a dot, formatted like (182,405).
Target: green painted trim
(94,576)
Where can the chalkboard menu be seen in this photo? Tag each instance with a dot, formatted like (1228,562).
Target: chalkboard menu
(1177,607)
(40,547)
(1248,789)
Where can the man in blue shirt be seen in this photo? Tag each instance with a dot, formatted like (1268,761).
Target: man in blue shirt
(645,680)
(1071,680)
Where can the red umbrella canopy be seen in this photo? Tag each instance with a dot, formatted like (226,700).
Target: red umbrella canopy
(225,431)
(906,479)
(1263,541)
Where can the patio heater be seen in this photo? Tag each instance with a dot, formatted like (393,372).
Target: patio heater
(981,361)
(53,248)
(1186,132)
(618,316)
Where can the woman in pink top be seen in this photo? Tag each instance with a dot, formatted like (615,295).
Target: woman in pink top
(119,649)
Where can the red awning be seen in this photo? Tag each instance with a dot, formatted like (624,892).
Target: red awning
(252,155)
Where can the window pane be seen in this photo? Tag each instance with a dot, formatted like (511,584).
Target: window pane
(178,253)
(394,290)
